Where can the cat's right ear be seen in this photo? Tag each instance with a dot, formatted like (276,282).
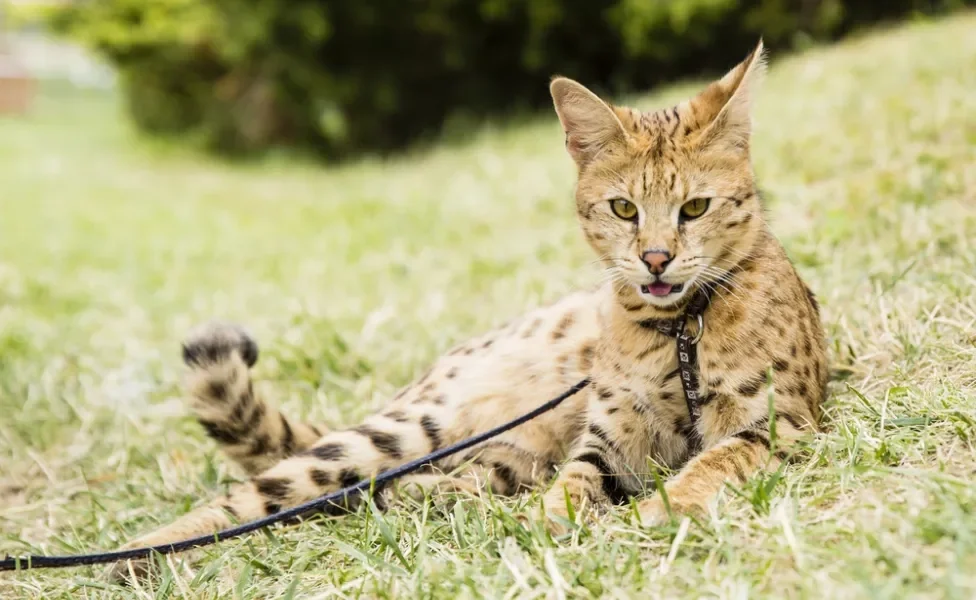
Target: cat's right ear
(590,124)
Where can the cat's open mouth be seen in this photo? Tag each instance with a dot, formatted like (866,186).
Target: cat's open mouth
(661,289)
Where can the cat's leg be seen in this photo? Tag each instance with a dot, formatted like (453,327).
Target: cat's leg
(604,466)
(249,430)
(600,469)
(730,459)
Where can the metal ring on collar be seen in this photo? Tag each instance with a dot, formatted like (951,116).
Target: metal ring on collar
(701,329)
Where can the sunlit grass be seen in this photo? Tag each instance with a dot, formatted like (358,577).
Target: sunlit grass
(354,277)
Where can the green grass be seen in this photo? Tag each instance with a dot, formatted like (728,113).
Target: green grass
(353,278)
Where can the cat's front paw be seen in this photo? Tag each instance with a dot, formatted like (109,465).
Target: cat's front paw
(653,511)
(555,515)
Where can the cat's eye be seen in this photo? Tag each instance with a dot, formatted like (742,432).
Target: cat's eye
(625,209)
(694,208)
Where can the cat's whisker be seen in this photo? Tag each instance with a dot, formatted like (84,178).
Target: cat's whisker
(718,278)
(724,298)
(612,260)
(728,297)
(742,255)
(728,293)
(613,274)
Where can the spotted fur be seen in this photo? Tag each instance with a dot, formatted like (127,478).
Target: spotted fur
(762,339)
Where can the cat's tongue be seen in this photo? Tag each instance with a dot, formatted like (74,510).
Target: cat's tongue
(658,288)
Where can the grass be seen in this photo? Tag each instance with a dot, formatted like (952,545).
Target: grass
(355,277)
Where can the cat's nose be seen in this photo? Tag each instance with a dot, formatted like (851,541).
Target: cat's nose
(656,260)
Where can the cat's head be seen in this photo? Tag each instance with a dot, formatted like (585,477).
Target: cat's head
(667,199)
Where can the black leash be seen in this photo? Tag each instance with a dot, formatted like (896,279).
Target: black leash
(687,366)
(318,505)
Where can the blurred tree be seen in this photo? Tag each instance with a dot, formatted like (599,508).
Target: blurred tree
(342,76)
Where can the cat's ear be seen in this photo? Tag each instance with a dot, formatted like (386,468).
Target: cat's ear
(725,107)
(590,124)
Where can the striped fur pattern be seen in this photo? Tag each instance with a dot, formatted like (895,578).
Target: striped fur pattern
(762,339)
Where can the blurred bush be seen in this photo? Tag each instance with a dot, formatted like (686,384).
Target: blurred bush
(342,76)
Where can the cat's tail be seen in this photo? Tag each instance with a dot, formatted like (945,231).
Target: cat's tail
(252,432)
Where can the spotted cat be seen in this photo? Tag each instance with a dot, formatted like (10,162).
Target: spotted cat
(668,201)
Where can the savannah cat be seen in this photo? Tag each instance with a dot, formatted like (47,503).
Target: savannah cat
(668,201)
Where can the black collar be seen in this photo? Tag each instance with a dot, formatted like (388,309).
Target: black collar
(694,310)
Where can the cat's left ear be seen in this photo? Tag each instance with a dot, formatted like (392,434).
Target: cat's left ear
(727,103)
